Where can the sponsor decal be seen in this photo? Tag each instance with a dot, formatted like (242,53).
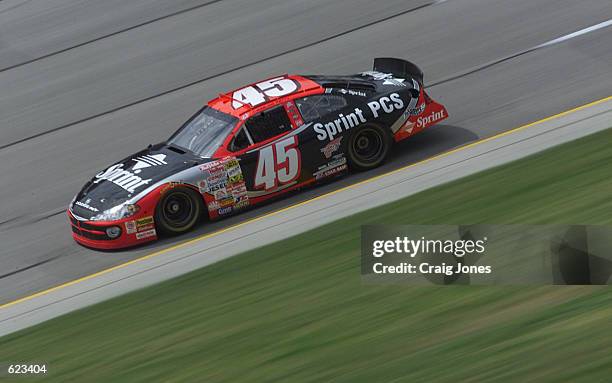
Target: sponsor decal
(210,166)
(139,226)
(168,186)
(242,203)
(386,104)
(394,82)
(212,187)
(145,228)
(235,178)
(408,127)
(235,189)
(430,119)
(225,210)
(146,234)
(144,221)
(418,110)
(387,77)
(330,172)
(122,178)
(337,165)
(86,205)
(219,186)
(149,160)
(294,114)
(331,147)
(232,171)
(352,92)
(216,178)
(223,185)
(220,195)
(331,129)
(233,163)
(338,160)
(130,227)
(226,201)
(202,186)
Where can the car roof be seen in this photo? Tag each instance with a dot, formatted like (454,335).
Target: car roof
(231,103)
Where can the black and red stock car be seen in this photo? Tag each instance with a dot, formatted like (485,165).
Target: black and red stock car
(253,144)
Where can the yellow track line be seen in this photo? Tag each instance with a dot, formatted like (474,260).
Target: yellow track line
(205,236)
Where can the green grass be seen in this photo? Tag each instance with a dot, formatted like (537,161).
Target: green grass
(297,311)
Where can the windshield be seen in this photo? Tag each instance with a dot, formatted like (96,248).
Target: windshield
(204,133)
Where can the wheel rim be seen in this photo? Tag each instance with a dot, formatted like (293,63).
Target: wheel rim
(368,146)
(178,209)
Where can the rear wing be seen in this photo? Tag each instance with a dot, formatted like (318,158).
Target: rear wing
(398,67)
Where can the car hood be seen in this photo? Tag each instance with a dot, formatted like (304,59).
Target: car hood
(126,179)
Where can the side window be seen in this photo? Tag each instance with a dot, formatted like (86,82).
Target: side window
(240,141)
(314,107)
(268,124)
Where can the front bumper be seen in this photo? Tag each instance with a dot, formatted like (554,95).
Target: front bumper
(134,231)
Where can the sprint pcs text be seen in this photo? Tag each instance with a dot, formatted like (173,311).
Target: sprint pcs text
(346,122)
(412,247)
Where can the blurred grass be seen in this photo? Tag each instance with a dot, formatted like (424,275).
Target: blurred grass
(297,311)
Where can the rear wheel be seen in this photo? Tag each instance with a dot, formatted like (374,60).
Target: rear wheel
(178,211)
(368,147)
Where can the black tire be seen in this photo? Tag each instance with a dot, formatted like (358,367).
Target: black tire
(178,211)
(368,147)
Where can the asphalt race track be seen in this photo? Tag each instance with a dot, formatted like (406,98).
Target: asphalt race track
(83,83)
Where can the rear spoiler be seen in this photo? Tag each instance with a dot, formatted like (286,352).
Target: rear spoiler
(398,68)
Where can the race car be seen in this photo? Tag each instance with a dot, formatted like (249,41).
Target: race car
(252,144)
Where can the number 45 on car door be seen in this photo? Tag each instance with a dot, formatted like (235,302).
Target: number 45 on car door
(278,164)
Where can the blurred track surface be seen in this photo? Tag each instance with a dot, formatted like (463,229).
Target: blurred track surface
(85,83)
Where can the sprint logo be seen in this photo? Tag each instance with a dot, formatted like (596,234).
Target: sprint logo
(122,178)
(149,160)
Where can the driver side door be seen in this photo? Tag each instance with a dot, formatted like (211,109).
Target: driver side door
(268,153)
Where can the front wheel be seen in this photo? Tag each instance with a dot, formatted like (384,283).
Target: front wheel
(368,147)
(178,211)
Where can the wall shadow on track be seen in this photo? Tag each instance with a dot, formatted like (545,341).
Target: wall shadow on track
(431,142)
